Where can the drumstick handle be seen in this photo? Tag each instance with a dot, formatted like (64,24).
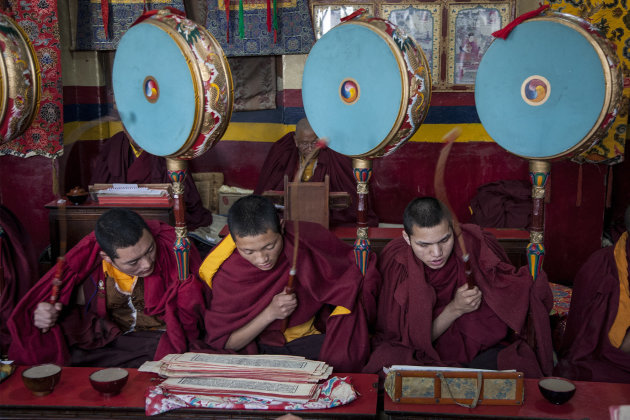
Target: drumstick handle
(289,289)
(56,282)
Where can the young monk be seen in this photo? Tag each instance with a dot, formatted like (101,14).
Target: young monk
(120,302)
(427,314)
(326,314)
(596,343)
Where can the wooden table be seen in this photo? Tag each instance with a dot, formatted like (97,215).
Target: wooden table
(81,220)
(74,397)
(514,241)
(591,401)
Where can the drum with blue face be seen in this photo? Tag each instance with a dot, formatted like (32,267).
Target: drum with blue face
(551,89)
(172,86)
(366,87)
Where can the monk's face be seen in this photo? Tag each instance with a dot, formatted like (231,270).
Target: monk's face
(432,245)
(136,260)
(306,141)
(261,251)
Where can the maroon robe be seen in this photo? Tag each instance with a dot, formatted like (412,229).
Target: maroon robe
(180,304)
(117,163)
(327,275)
(503,204)
(413,295)
(284,159)
(18,266)
(587,353)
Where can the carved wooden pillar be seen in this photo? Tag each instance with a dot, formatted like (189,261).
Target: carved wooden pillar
(177,170)
(538,175)
(362,169)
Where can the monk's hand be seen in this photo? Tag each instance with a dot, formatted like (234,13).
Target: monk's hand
(467,300)
(282,305)
(46,315)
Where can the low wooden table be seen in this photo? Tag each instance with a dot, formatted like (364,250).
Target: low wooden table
(591,401)
(514,241)
(81,220)
(74,397)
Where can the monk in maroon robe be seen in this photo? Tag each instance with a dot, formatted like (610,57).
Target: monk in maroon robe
(596,342)
(427,314)
(285,157)
(117,163)
(118,305)
(328,312)
(18,269)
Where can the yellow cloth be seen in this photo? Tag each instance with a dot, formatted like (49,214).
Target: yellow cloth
(308,328)
(302,330)
(136,152)
(622,321)
(124,281)
(213,261)
(308,171)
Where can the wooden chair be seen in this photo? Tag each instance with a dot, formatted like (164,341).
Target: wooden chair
(307,201)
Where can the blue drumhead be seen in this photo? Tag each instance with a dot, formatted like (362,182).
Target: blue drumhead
(352,88)
(542,91)
(154,89)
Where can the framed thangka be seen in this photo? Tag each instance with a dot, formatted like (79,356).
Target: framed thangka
(470,28)
(423,22)
(327,16)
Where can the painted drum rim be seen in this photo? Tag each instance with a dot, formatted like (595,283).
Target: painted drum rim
(34,89)
(4,88)
(34,65)
(395,137)
(613,85)
(195,150)
(573,22)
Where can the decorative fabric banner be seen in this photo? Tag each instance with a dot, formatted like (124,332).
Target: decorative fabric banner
(611,19)
(292,19)
(38,19)
(90,34)
(294,34)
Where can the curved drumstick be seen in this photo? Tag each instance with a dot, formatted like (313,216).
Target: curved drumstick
(56,281)
(319,145)
(440,193)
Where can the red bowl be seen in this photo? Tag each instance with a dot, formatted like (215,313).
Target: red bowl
(108,382)
(556,390)
(41,379)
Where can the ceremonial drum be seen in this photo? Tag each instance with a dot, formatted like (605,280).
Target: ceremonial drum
(20,80)
(172,86)
(366,87)
(551,89)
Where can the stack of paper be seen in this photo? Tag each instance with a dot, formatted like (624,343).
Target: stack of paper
(132,194)
(273,377)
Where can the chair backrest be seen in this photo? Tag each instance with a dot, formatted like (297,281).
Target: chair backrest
(307,201)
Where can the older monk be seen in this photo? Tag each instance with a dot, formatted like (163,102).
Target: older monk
(285,157)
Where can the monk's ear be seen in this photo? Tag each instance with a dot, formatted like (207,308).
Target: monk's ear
(282,226)
(105,257)
(406,237)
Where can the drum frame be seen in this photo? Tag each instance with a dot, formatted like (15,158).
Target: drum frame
(398,43)
(613,79)
(198,75)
